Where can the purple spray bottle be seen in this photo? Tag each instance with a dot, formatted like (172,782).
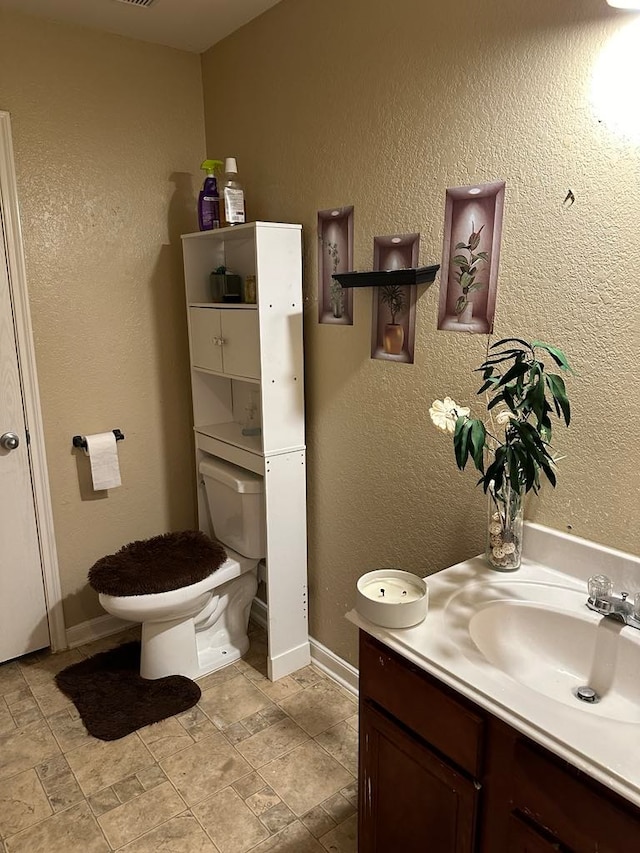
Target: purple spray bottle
(209,200)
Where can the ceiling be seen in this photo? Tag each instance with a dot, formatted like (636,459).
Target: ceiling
(192,25)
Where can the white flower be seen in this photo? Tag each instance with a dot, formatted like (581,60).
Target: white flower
(445,413)
(503,417)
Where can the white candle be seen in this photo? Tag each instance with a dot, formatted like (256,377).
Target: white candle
(392,598)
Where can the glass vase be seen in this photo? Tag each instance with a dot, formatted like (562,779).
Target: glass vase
(504,534)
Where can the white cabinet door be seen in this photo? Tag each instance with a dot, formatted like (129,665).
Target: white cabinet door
(206,337)
(241,347)
(226,340)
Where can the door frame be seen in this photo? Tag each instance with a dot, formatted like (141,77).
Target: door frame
(29,386)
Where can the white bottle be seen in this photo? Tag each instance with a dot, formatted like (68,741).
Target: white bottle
(232,194)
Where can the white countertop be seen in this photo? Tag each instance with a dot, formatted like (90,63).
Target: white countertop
(607,749)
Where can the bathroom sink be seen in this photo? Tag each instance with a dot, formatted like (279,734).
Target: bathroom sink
(544,637)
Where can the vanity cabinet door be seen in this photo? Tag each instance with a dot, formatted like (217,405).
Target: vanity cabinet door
(525,839)
(410,800)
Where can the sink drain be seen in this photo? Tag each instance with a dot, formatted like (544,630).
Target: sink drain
(587,694)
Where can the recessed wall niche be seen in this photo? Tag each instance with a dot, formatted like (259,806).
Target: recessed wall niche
(470,257)
(393,327)
(335,254)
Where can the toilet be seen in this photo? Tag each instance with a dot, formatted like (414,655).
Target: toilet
(198,628)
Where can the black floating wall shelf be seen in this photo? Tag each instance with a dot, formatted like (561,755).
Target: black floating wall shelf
(378,278)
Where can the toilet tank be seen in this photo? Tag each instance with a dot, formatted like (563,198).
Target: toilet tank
(236,506)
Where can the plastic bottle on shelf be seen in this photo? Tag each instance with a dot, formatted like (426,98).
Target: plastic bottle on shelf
(209,199)
(232,194)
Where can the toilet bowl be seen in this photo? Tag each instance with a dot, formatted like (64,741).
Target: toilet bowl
(200,627)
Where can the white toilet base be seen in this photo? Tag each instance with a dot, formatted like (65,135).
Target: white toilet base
(199,645)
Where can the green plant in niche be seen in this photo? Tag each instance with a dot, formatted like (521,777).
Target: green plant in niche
(468,267)
(393,296)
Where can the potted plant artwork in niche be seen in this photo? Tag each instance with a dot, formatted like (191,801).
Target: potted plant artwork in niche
(513,447)
(393,296)
(468,267)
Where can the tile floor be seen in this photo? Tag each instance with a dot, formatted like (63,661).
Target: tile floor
(255,766)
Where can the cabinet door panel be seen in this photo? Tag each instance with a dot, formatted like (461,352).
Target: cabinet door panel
(241,348)
(570,805)
(524,839)
(205,329)
(422,704)
(410,800)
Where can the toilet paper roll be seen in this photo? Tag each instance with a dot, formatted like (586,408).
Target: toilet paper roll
(105,467)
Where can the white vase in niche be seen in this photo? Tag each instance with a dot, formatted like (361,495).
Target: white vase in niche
(466,315)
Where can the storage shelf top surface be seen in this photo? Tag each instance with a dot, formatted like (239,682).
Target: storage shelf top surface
(237,232)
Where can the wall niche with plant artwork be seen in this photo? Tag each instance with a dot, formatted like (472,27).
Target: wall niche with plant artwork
(470,256)
(335,254)
(394,305)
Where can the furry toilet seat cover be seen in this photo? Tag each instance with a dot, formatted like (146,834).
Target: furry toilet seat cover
(159,564)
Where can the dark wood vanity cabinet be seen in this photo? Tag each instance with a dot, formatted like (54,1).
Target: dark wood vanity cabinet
(440,775)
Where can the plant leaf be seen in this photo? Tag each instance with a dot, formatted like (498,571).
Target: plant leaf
(556,354)
(558,389)
(461,441)
(509,340)
(478,437)
(516,370)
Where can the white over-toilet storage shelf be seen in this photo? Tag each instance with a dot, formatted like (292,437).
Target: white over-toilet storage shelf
(250,356)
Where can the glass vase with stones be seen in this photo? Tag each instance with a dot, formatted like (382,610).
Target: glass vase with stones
(504,535)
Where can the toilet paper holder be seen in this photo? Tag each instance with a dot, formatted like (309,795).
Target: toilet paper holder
(81,441)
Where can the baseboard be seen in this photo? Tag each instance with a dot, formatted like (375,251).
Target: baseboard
(95,629)
(327,661)
(335,667)
(259,613)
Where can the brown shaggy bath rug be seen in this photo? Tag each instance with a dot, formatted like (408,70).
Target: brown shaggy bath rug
(113,700)
(160,564)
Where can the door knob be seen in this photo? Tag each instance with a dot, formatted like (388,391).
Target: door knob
(9,441)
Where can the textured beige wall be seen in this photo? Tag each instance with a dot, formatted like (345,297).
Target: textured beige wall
(383,106)
(105,131)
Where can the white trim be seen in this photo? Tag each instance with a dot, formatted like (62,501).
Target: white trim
(95,629)
(335,667)
(29,379)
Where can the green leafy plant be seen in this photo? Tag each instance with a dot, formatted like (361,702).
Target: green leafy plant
(522,396)
(468,267)
(516,378)
(393,296)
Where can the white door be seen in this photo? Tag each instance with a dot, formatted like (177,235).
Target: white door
(23,613)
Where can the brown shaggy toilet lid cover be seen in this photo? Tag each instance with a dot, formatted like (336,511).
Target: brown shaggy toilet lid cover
(159,564)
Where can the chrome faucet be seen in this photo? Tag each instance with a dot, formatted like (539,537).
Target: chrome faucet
(603,600)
